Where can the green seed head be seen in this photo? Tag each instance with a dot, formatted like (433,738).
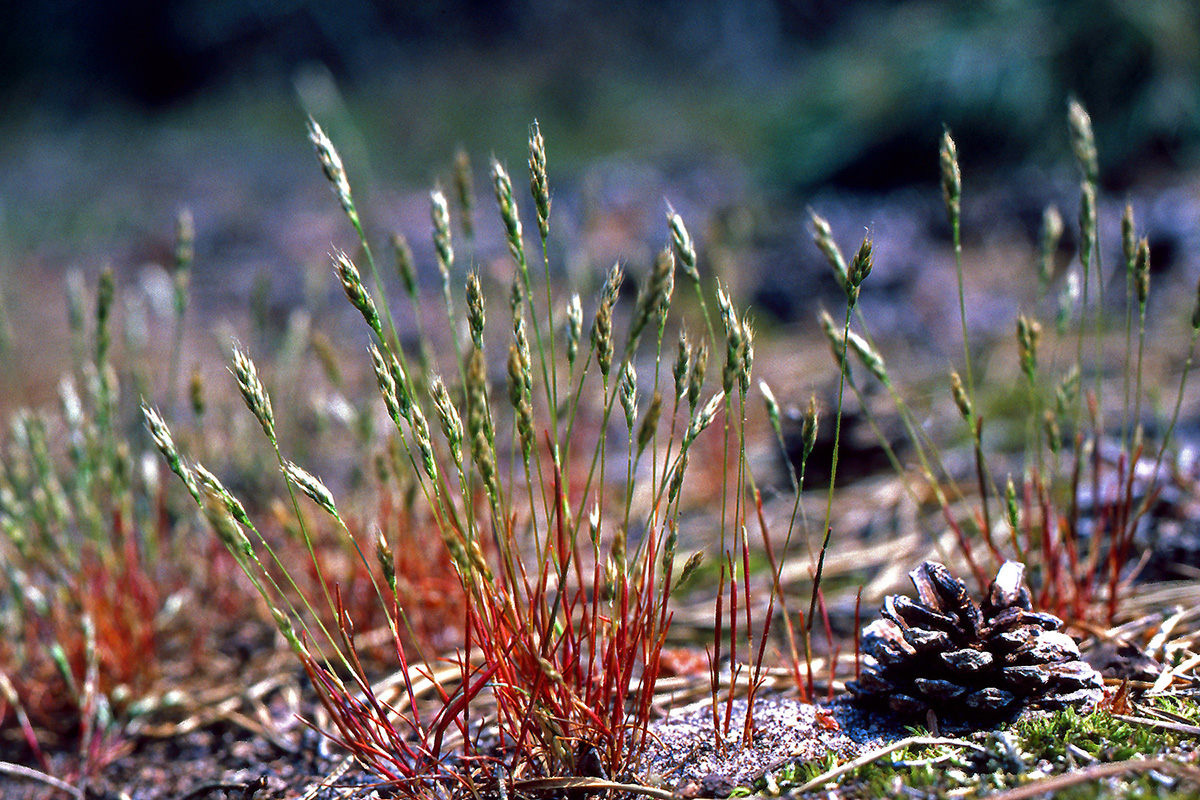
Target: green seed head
(539,186)
(331,165)
(1083,141)
(951,176)
(685,248)
(574,328)
(475,312)
(823,236)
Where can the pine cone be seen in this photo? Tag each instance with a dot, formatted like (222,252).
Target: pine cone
(947,654)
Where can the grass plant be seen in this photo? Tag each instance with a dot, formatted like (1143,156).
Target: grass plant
(558,511)
(1082,561)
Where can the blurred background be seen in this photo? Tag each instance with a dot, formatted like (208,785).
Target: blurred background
(741,114)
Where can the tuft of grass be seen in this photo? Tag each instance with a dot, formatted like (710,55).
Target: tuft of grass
(558,504)
(1081,561)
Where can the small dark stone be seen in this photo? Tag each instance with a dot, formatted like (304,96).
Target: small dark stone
(716,785)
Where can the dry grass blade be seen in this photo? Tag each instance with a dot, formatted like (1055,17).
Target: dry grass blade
(20,771)
(593,784)
(1048,786)
(875,755)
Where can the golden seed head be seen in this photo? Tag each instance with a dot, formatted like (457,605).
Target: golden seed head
(808,429)
(650,421)
(683,359)
(1141,271)
(961,399)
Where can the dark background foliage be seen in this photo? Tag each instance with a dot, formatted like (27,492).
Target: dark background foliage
(811,91)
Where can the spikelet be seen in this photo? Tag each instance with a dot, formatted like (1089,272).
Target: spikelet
(312,486)
(539,186)
(331,165)
(252,390)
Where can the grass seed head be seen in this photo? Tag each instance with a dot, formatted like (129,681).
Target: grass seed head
(697,374)
(185,240)
(252,390)
(386,559)
(356,292)
(689,568)
(574,328)
(212,485)
(160,433)
(539,186)
(961,399)
(1083,141)
(1052,231)
(196,393)
(1129,240)
(1087,222)
(808,428)
(331,165)
(823,236)
(1010,503)
(837,342)
(439,214)
(227,529)
(508,211)
(312,486)
(387,384)
(1068,298)
(1141,271)
(703,419)
(464,191)
(628,386)
(420,429)
(475,311)
(448,417)
(772,406)
(404,263)
(681,240)
(1028,334)
(650,421)
(951,175)
(679,371)
(602,336)
(869,356)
